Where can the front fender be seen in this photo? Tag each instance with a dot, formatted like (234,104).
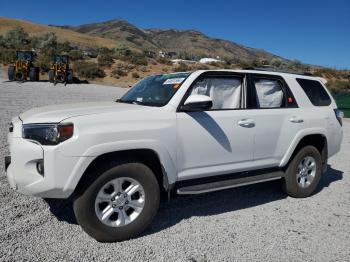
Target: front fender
(93,152)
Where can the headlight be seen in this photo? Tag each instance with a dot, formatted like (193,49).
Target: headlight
(48,134)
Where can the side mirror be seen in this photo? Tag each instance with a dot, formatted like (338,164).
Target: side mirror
(197,103)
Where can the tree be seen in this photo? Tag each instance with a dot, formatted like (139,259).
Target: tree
(16,38)
(64,47)
(48,43)
(75,55)
(122,50)
(276,62)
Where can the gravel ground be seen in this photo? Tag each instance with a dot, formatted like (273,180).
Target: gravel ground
(256,222)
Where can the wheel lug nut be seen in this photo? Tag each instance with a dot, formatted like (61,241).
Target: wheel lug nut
(113,206)
(126,202)
(118,194)
(112,199)
(120,207)
(125,195)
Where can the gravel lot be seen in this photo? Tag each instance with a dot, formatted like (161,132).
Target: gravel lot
(256,222)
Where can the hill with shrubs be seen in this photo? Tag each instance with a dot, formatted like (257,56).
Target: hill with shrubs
(118,53)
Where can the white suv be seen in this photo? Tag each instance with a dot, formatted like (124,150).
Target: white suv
(187,133)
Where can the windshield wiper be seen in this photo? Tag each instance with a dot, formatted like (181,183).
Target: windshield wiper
(129,102)
(135,102)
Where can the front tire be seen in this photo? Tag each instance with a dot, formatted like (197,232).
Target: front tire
(303,173)
(11,73)
(118,204)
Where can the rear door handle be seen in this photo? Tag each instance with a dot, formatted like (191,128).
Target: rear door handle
(246,122)
(295,119)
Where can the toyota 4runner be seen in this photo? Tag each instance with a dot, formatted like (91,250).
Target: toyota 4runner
(187,133)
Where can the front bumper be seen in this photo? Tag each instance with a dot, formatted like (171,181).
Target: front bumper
(61,173)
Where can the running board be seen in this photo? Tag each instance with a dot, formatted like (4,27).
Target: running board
(229,183)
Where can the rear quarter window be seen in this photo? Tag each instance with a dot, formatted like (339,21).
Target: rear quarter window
(315,92)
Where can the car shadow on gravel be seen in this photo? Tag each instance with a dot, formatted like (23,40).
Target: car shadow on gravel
(184,207)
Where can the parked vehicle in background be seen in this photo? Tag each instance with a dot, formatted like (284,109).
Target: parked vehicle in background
(189,133)
(60,71)
(23,68)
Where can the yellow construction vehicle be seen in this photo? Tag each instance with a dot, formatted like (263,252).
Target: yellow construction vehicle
(60,72)
(23,67)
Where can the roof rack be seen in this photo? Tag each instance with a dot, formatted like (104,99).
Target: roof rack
(280,71)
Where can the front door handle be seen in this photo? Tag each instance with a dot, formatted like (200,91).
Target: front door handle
(295,119)
(246,123)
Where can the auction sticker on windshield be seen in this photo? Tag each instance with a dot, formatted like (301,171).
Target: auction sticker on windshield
(173,81)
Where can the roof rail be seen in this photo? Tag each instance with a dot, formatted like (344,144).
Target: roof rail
(281,71)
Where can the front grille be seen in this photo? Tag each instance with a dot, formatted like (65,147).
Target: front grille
(11,127)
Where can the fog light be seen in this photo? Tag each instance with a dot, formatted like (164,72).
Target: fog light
(40,167)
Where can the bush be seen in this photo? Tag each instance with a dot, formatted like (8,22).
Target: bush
(326,72)
(143,69)
(16,38)
(48,43)
(75,55)
(7,56)
(44,62)
(201,67)
(122,51)
(135,75)
(164,61)
(117,73)
(89,70)
(105,60)
(276,62)
(138,59)
(120,70)
(337,85)
(182,67)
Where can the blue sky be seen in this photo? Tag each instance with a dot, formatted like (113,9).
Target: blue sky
(316,32)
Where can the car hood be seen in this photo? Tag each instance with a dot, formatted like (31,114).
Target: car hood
(58,113)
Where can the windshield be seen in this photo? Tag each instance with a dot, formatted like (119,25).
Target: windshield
(155,90)
(27,56)
(61,59)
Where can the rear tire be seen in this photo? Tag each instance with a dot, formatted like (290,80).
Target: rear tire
(32,74)
(11,73)
(51,76)
(303,173)
(70,77)
(37,74)
(106,229)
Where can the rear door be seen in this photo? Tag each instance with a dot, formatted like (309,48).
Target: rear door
(277,118)
(216,141)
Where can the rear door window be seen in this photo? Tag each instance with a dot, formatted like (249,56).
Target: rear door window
(315,92)
(269,93)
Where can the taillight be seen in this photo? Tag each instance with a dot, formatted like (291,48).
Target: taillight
(339,115)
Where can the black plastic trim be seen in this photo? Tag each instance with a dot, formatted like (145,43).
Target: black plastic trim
(230,176)
(7,162)
(240,179)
